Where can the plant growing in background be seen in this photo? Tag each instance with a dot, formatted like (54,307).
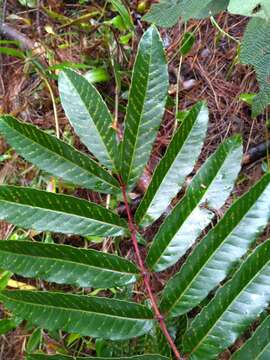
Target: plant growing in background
(255,46)
(158,323)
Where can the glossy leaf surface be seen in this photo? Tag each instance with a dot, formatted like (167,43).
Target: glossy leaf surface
(208,190)
(89,115)
(235,306)
(147,98)
(44,211)
(85,315)
(216,254)
(258,346)
(64,264)
(177,163)
(54,156)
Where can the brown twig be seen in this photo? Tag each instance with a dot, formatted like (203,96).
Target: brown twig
(4,11)
(146,275)
(38,18)
(25,43)
(10,33)
(256,153)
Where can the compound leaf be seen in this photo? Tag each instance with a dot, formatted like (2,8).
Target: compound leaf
(235,306)
(44,211)
(176,164)
(54,156)
(89,115)
(87,316)
(146,105)
(64,264)
(258,346)
(216,254)
(208,190)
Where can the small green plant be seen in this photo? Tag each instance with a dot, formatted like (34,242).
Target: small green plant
(161,324)
(255,46)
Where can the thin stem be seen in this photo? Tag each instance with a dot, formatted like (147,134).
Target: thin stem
(146,275)
(213,21)
(267,138)
(54,106)
(178,82)
(178,91)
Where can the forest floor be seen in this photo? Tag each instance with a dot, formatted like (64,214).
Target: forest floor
(209,72)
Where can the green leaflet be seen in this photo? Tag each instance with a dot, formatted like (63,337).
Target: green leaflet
(54,156)
(9,51)
(87,316)
(155,342)
(235,306)
(63,357)
(34,341)
(122,348)
(89,115)
(258,346)
(121,9)
(212,8)
(177,163)
(28,3)
(64,264)
(214,256)
(208,190)
(44,211)
(167,12)
(7,325)
(258,8)
(257,54)
(146,105)
(187,43)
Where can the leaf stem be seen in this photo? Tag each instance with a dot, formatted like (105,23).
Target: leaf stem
(223,32)
(146,274)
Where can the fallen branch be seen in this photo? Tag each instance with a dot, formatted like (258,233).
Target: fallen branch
(25,42)
(256,153)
